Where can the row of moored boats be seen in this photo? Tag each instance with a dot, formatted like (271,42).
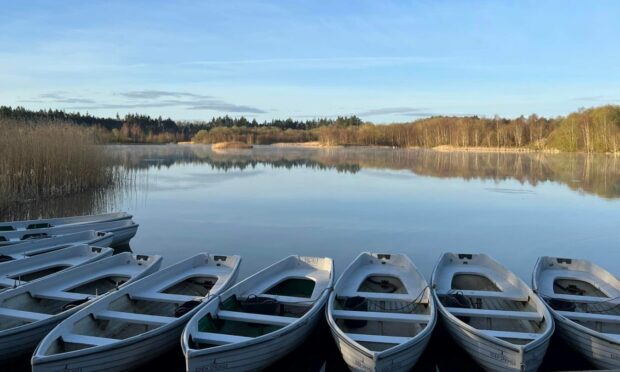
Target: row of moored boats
(65,296)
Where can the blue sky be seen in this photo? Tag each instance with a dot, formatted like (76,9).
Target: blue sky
(382,60)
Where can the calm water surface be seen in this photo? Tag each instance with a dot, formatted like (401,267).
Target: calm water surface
(269,202)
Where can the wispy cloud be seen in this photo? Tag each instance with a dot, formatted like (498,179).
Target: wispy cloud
(146,99)
(58,97)
(594,98)
(322,62)
(391,111)
(154,94)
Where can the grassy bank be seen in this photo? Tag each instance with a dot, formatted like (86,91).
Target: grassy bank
(46,160)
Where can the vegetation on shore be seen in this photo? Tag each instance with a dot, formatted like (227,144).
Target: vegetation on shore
(230,145)
(42,161)
(591,130)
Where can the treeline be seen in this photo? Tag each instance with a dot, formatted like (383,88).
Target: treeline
(591,130)
(446,131)
(137,128)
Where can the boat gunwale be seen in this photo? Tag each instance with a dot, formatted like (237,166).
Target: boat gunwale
(16,237)
(122,343)
(119,217)
(377,355)
(541,306)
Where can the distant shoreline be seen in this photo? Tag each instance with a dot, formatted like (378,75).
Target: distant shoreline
(442,148)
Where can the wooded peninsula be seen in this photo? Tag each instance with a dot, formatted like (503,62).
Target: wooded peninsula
(587,130)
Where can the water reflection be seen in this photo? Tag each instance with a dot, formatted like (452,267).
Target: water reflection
(596,174)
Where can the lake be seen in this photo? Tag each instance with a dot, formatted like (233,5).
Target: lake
(270,202)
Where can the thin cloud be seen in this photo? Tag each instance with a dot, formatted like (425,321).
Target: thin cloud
(594,98)
(147,99)
(227,107)
(390,111)
(155,94)
(319,62)
(58,97)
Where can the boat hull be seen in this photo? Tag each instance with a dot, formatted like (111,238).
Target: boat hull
(23,340)
(402,360)
(494,356)
(123,235)
(121,357)
(256,355)
(600,352)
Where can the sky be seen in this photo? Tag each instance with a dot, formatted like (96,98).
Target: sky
(385,61)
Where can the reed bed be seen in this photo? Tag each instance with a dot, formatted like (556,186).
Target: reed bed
(39,161)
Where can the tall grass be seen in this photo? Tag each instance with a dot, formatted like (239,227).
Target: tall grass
(46,160)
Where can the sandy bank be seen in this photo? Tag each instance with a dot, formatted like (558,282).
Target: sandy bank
(303,144)
(230,145)
(448,148)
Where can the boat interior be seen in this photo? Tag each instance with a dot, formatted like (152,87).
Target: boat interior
(382,303)
(481,293)
(147,307)
(21,272)
(44,299)
(582,292)
(269,305)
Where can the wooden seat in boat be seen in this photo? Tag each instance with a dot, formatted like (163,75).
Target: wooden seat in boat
(590,317)
(500,314)
(381,316)
(87,340)
(512,335)
(136,318)
(162,297)
(255,318)
(60,295)
(217,338)
(26,316)
(359,337)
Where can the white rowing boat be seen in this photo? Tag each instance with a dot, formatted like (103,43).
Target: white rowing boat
(123,231)
(261,319)
(38,246)
(122,330)
(381,313)
(29,312)
(491,313)
(30,225)
(585,302)
(20,272)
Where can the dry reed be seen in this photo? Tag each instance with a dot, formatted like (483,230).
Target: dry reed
(45,160)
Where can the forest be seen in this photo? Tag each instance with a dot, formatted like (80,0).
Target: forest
(587,130)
